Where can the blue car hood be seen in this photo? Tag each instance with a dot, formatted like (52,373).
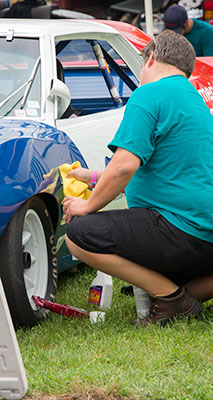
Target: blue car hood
(10,129)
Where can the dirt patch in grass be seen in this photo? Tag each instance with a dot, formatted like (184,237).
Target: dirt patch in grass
(94,395)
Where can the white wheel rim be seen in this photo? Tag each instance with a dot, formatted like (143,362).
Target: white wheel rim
(34,243)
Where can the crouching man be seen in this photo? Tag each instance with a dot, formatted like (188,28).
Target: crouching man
(163,158)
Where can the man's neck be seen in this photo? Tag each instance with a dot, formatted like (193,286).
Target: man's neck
(189,25)
(161,70)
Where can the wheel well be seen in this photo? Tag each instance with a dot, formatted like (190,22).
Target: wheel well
(52,207)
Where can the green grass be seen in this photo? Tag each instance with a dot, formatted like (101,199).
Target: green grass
(68,355)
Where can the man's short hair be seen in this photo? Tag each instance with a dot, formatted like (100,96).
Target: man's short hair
(172,49)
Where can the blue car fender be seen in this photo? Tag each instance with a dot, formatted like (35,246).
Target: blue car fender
(30,154)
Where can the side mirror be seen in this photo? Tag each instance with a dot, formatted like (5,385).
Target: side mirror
(60,90)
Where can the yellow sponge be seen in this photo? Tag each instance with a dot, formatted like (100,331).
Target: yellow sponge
(71,186)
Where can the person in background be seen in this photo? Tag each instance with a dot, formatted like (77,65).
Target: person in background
(198,33)
(163,243)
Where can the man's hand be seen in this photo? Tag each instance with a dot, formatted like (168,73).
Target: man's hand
(73,206)
(81,174)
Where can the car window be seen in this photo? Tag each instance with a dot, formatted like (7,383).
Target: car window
(89,86)
(20,82)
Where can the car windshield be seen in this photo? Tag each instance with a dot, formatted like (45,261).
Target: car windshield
(20,82)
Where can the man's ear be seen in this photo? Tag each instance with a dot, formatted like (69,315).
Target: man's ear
(150,59)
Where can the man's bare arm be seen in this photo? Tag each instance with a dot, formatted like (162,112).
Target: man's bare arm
(113,179)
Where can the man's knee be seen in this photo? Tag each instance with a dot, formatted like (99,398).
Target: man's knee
(74,231)
(68,241)
(72,247)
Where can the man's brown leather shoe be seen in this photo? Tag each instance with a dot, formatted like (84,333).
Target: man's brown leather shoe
(165,309)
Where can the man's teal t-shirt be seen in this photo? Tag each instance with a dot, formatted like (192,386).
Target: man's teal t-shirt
(201,38)
(169,127)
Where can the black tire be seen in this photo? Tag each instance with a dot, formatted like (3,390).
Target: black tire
(18,262)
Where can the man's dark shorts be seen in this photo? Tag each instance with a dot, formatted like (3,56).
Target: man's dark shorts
(146,238)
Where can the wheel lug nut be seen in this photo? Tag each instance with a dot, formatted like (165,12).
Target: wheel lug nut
(26,260)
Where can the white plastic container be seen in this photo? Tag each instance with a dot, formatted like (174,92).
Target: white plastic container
(142,302)
(97,316)
(100,292)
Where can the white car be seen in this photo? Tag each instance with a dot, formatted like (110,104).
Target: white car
(63,89)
